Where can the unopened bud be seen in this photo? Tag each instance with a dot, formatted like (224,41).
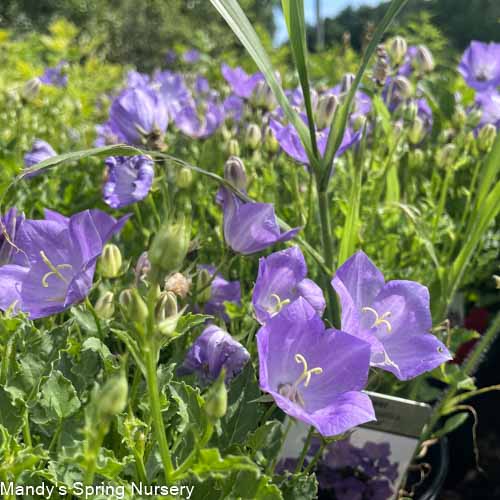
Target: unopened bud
(446,156)
(359,122)
(234,172)
(497,281)
(111,261)
(381,68)
(486,137)
(397,49)
(474,117)
(424,61)
(184,178)
(270,142)
(178,284)
(263,96)
(325,110)
(142,267)
(112,397)
(402,87)
(459,117)
(166,306)
(253,136)
(105,307)
(216,398)
(416,158)
(31,89)
(133,305)
(203,285)
(410,112)
(170,245)
(417,131)
(346,83)
(233,147)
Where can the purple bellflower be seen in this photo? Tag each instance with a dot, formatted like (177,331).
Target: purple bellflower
(480,65)
(288,139)
(406,69)
(174,91)
(201,121)
(191,56)
(233,107)
(489,103)
(56,76)
(281,280)
(221,290)
(361,106)
(394,317)
(60,259)
(213,350)
(10,223)
(313,374)
(137,79)
(137,113)
(250,227)
(240,82)
(106,135)
(40,151)
(128,179)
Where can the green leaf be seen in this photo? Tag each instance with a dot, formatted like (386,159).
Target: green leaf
(301,486)
(84,319)
(58,399)
(242,28)
(451,424)
(266,441)
(189,407)
(339,121)
(211,463)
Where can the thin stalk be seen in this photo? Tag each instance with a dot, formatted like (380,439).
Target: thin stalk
(139,467)
(5,480)
(305,449)
(268,413)
(26,429)
(442,201)
(315,459)
(91,308)
(7,354)
(272,465)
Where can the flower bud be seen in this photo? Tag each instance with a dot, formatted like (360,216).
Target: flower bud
(397,49)
(253,136)
(410,112)
(234,172)
(474,117)
(263,96)
(143,267)
(486,137)
(459,117)
(417,131)
(381,67)
(270,143)
(105,307)
(446,156)
(416,158)
(325,110)
(497,281)
(359,122)
(133,305)
(216,398)
(111,261)
(170,245)
(166,306)
(112,397)
(184,178)
(402,87)
(203,285)
(178,284)
(346,83)
(31,89)
(424,61)
(233,147)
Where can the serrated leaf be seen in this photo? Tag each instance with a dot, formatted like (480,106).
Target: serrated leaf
(85,320)
(211,463)
(266,440)
(301,486)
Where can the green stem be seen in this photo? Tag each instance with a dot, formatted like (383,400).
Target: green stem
(272,465)
(315,459)
(5,480)
(26,429)
(442,202)
(305,449)
(298,197)
(139,466)
(7,354)
(268,413)
(90,307)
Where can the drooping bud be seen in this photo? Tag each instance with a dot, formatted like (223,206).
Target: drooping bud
(184,178)
(417,131)
(166,306)
(105,307)
(271,144)
(235,173)
(424,61)
(397,49)
(325,110)
(486,137)
(112,397)
(216,398)
(346,82)
(31,89)
(111,261)
(402,87)
(203,285)
(253,136)
(446,156)
(178,284)
(133,305)
(233,147)
(170,245)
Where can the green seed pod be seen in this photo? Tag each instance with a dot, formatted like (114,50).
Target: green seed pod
(133,305)
(105,307)
(111,261)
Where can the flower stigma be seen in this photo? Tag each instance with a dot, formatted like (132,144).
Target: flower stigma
(54,270)
(273,310)
(379,320)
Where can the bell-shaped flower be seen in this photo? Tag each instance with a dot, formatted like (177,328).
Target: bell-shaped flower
(489,104)
(212,351)
(250,227)
(240,82)
(394,317)
(40,151)
(10,224)
(200,121)
(174,91)
(137,113)
(57,76)
(480,65)
(281,280)
(60,258)
(128,179)
(314,374)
